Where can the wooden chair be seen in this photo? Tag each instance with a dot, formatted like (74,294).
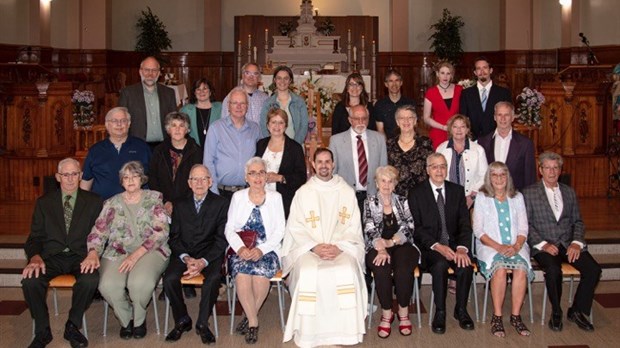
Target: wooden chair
(567,271)
(415,296)
(472,290)
(195,281)
(64,281)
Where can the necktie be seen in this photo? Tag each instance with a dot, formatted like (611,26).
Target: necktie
(68,211)
(441,205)
(483,99)
(198,204)
(556,202)
(361,159)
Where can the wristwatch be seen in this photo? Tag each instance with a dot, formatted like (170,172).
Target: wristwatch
(283,180)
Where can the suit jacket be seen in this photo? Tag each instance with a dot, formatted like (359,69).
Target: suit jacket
(132,97)
(340,145)
(543,225)
(199,234)
(426,218)
(482,122)
(520,159)
(292,167)
(48,234)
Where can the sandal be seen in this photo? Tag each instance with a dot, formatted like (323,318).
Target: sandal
(252,335)
(386,331)
(404,330)
(497,326)
(242,327)
(517,323)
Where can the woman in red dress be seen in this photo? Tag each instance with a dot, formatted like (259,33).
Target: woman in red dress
(440,103)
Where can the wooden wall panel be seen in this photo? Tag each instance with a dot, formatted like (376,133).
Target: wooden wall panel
(589,174)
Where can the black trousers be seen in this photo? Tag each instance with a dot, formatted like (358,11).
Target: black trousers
(590,275)
(437,266)
(210,289)
(35,289)
(397,275)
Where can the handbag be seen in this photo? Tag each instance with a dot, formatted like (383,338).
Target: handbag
(390,226)
(249,238)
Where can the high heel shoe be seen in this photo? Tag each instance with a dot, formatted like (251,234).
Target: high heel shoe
(385,330)
(404,330)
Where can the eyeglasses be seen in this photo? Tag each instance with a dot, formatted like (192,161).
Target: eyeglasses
(123,121)
(238,103)
(150,71)
(69,175)
(354,84)
(202,89)
(257,174)
(131,177)
(499,175)
(251,73)
(199,179)
(551,168)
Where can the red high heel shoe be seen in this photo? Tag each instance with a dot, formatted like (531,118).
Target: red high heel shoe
(402,328)
(386,330)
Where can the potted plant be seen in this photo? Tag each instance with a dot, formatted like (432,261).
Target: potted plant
(446,40)
(152,35)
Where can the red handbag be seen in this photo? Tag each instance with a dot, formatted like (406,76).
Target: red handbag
(249,238)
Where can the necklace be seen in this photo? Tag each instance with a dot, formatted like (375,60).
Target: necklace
(445,89)
(406,142)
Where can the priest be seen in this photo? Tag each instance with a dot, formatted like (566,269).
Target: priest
(323,251)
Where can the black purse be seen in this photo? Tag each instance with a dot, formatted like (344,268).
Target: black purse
(390,226)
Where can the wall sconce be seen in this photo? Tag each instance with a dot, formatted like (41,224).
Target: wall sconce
(42,86)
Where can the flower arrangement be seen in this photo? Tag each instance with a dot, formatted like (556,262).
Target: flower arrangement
(528,107)
(466,83)
(83,109)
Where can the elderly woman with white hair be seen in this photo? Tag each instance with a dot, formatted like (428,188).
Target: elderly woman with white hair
(254,230)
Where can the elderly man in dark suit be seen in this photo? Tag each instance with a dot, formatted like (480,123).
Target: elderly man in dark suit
(197,241)
(56,245)
(443,233)
(477,102)
(506,145)
(148,103)
(556,235)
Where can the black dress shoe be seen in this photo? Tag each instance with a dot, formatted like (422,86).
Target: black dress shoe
(74,336)
(182,326)
(555,323)
(127,332)
(206,336)
(464,319)
(439,322)
(242,328)
(42,339)
(140,331)
(580,319)
(189,291)
(251,336)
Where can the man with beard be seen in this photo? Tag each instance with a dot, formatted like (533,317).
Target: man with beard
(358,153)
(148,103)
(477,103)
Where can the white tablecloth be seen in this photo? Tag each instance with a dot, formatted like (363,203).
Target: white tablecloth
(336,82)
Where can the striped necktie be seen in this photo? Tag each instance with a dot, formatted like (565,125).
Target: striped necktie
(484,97)
(363,164)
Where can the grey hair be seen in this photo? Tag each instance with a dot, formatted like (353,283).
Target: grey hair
(550,156)
(179,116)
(67,161)
(117,109)
(405,108)
(239,89)
(133,167)
(506,104)
(254,160)
(487,187)
(389,172)
(199,165)
(434,155)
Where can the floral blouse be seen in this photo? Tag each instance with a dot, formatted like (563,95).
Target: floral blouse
(373,220)
(114,228)
(411,164)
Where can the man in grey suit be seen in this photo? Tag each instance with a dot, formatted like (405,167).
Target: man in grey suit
(61,221)
(358,153)
(556,235)
(148,103)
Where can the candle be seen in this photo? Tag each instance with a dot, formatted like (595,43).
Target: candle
(239,47)
(249,41)
(349,35)
(266,35)
(254,54)
(374,48)
(363,42)
(355,53)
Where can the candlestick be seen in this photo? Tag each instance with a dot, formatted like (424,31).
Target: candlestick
(355,53)
(349,35)
(363,42)
(374,48)
(239,47)
(254,54)
(249,41)
(266,35)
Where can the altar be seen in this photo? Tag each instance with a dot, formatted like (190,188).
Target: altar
(334,82)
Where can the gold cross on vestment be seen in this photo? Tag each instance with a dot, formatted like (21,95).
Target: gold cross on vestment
(343,215)
(313,219)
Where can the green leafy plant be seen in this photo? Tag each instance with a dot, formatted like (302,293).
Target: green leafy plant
(446,40)
(152,35)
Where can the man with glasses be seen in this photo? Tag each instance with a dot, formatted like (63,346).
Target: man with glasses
(230,143)
(56,245)
(105,158)
(250,77)
(443,234)
(556,235)
(148,102)
(385,109)
(197,241)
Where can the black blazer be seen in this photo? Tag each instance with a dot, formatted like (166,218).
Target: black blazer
(201,235)
(132,97)
(293,168)
(160,171)
(520,159)
(482,122)
(48,234)
(426,216)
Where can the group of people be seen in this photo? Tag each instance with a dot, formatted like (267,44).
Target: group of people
(178,194)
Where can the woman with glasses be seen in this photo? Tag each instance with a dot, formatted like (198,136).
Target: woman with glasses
(130,243)
(254,231)
(202,110)
(286,167)
(293,105)
(354,93)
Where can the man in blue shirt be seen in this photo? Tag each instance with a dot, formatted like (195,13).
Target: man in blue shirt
(230,143)
(106,157)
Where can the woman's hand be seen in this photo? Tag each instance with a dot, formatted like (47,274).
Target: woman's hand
(506,250)
(244,253)
(168,208)
(131,260)
(256,254)
(381,258)
(90,263)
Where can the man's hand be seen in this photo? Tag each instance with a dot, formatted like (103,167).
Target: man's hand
(461,258)
(194,267)
(90,262)
(573,252)
(326,251)
(550,249)
(168,208)
(35,266)
(445,251)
